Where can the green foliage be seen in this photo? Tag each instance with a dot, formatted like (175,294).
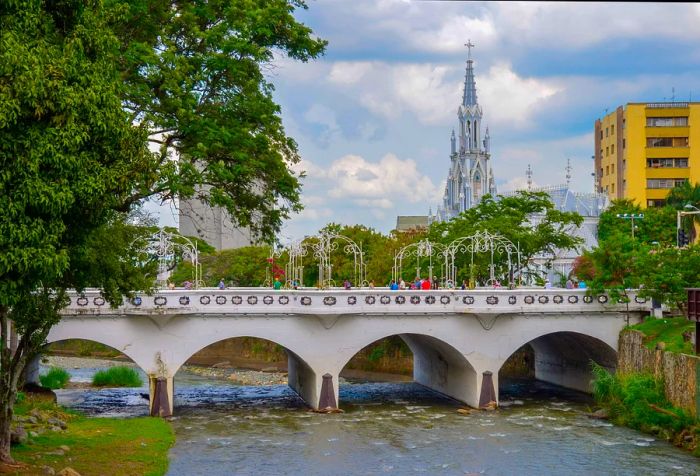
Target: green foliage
(20,397)
(528,219)
(55,378)
(193,73)
(649,260)
(670,331)
(119,376)
(637,401)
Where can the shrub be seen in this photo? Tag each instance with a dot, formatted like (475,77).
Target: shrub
(55,378)
(117,377)
(637,400)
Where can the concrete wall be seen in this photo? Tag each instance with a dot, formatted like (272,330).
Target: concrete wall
(680,372)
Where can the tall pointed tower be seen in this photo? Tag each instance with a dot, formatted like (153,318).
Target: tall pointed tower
(470,176)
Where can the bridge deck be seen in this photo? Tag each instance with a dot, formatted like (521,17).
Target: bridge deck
(356,301)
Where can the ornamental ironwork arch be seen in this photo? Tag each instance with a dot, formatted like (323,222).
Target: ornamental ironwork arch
(322,246)
(164,246)
(435,253)
(484,242)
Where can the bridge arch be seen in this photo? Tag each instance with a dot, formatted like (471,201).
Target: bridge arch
(139,358)
(564,357)
(302,369)
(437,364)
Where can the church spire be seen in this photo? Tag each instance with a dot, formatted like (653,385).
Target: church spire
(469,96)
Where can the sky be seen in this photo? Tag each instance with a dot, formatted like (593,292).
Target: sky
(373,116)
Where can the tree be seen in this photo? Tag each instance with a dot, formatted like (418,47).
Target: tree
(682,195)
(195,81)
(667,272)
(528,219)
(84,85)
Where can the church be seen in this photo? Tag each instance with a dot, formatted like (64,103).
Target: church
(470,176)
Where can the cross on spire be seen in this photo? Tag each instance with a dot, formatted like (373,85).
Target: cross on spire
(469,46)
(568,172)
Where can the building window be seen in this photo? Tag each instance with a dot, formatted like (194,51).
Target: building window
(612,188)
(667,142)
(601,134)
(606,132)
(667,163)
(612,168)
(612,129)
(667,121)
(624,143)
(656,203)
(607,170)
(607,151)
(665,182)
(612,149)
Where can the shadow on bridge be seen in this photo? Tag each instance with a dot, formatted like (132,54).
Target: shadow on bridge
(560,358)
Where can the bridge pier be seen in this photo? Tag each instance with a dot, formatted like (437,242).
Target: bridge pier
(444,369)
(318,388)
(161,392)
(31,370)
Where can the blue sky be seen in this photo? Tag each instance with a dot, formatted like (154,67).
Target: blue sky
(373,117)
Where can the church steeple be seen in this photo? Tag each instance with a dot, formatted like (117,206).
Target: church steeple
(469,96)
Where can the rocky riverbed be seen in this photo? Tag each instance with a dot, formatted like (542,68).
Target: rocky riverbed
(220,371)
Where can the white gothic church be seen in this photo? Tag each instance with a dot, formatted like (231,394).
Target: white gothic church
(470,176)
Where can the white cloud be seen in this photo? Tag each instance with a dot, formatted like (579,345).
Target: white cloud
(451,35)
(509,98)
(378,184)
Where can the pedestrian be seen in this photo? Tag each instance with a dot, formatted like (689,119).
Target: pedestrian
(464,285)
(393,286)
(435,282)
(222,285)
(425,284)
(582,284)
(347,285)
(171,285)
(187,285)
(402,284)
(371,284)
(547,284)
(277,284)
(496,284)
(569,284)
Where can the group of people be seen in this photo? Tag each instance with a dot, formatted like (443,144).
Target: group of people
(418,283)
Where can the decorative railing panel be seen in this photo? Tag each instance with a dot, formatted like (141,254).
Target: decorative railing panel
(257,301)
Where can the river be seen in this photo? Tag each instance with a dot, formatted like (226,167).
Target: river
(387,428)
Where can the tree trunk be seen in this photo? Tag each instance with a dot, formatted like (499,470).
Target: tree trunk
(6,412)
(7,391)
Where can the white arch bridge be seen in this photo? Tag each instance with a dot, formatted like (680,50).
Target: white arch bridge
(459,339)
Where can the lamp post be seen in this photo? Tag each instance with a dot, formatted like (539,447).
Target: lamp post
(632,217)
(680,215)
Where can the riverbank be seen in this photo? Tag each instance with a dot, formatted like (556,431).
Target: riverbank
(58,438)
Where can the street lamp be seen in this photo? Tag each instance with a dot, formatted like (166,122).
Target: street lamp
(632,217)
(680,215)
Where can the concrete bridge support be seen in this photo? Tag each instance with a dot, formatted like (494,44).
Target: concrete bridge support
(442,368)
(308,383)
(161,392)
(564,358)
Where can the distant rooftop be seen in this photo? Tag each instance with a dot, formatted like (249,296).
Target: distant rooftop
(564,199)
(411,222)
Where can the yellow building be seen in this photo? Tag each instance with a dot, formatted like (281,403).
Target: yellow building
(642,150)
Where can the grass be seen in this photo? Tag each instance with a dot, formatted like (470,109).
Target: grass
(55,378)
(97,446)
(669,331)
(638,401)
(119,376)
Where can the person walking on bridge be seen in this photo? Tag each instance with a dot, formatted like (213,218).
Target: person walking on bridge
(425,284)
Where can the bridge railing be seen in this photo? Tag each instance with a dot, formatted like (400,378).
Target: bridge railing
(244,301)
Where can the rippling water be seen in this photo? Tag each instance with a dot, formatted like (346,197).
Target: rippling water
(397,428)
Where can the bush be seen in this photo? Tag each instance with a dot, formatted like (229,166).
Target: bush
(637,400)
(117,377)
(55,378)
